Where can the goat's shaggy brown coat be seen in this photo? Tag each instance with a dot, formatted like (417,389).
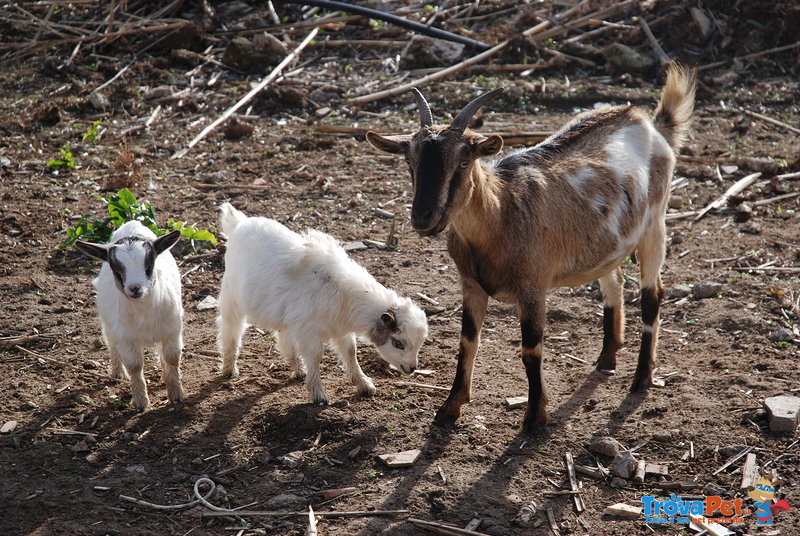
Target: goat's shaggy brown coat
(565,212)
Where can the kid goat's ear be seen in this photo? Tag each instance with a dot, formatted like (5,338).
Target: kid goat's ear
(389,144)
(389,321)
(98,251)
(164,242)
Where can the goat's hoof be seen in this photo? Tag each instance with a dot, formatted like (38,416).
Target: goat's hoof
(606,369)
(533,427)
(445,420)
(140,405)
(232,372)
(119,374)
(319,400)
(641,386)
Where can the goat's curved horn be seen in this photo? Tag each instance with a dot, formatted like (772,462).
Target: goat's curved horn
(425,115)
(461,121)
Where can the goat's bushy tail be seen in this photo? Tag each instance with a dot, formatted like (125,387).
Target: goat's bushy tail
(230,218)
(675,108)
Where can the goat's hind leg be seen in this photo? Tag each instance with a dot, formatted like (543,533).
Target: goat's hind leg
(611,286)
(652,250)
(472,316)
(346,350)
(310,349)
(231,328)
(287,350)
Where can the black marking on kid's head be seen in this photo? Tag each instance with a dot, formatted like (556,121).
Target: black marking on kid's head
(117,268)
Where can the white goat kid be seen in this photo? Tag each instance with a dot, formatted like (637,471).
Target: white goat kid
(139,299)
(305,287)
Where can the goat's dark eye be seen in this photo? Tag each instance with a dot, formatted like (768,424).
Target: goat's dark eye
(398,344)
(464,164)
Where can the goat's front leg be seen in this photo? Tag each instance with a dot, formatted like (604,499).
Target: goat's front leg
(474,311)
(532,320)
(133,359)
(115,369)
(346,350)
(171,372)
(613,321)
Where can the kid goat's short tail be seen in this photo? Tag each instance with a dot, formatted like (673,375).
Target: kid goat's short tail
(675,107)
(230,218)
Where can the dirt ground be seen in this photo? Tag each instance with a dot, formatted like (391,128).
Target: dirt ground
(719,356)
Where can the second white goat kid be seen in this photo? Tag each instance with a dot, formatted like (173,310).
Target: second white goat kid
(139,299)
(305,287)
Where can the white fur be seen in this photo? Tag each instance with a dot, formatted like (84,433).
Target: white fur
(579,179)
(130,325)
(305,287)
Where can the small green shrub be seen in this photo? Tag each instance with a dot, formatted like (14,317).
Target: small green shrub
(123,207)
(91,134)
(66,160)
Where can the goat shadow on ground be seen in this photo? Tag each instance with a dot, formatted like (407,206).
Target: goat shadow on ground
(439,438)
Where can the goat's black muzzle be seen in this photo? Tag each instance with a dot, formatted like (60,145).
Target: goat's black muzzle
(430,223)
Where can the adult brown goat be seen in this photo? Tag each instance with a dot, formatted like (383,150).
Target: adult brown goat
(565,212)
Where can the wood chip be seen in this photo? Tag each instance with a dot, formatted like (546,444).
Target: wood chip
(749,471)
(656,469)
(400,459)
(623,510)
(8,427)
(516,402)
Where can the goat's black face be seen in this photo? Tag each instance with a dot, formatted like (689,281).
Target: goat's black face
(439,164)
(441,161)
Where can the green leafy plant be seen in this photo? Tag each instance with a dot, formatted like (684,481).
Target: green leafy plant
(66,160)
(91,134)
(123,207)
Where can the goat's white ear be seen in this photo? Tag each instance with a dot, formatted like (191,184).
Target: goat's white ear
(490,146)
(98,251)
(164,242)
(389,144)
(389,320)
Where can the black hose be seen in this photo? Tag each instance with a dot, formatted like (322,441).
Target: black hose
(394,19)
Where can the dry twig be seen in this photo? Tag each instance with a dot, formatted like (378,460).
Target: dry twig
(261,85)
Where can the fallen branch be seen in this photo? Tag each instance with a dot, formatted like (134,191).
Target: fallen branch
(662,56)
(333,513)
(422,385)
(738,187)
(441,528)
(457,67)
(10,342)
(261,85)
(772,121)
(63,364)
(752,56)
(573,483)
(734,459)
(509,138)
(776,269)
(394,19)
(775,199)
